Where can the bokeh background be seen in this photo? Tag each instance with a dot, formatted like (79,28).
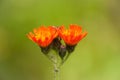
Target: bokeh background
(96,57)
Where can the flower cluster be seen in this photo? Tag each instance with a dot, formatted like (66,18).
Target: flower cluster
(51,38)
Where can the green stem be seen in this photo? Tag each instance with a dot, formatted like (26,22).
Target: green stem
(56,72)
(56,67)
(55,61)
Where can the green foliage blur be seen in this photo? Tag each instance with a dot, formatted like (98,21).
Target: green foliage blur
(96,57)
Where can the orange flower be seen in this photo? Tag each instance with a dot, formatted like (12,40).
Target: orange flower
(43,36)
(73,35)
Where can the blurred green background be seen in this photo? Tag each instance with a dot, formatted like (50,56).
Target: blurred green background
(97,56)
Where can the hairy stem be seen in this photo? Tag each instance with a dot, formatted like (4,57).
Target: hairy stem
(56,72)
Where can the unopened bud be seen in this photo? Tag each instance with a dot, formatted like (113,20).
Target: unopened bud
(62,51)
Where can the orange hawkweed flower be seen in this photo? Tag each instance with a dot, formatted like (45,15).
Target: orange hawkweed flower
(73,35)
(43,36)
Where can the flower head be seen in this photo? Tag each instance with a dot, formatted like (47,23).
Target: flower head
(43,36)
(73,35)
(49,38)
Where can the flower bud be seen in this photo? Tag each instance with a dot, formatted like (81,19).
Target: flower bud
(62,51)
